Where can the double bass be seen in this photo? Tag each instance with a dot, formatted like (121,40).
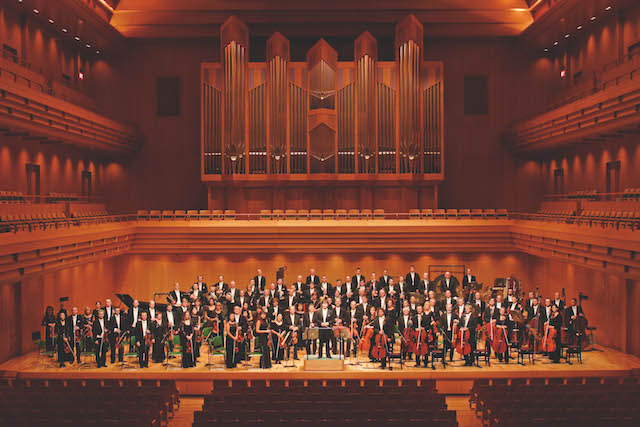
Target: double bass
(409,339)
(549,340)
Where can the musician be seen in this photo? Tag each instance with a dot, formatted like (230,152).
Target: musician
(504,326)
(117,327)
(97,308)
(263,331)
(324,318)
(197,315)
(274,309)
(432,309)
(159,331)
(392,311)
(468,281)
(293,325)
(571,314)
(412,304)
(477,301)
(405,322)
(448,283)
(212,316)
(175,296)
(281,289)
(514,305)
(529,302)
(468,322)
(384,279)
(108,309)
(195,294)
(557,301)
(184,308)
(354,322)
(400,289)
(449,299)
(349,289)
(460,308)
(534,310)
(260,281)
(87,329)
(151,311)
(448,319)
(243,323)
(424,286)
(244,299)
(420,321)
(278,329)
(358,277)
(383,326)
(187,341)
(499,302)
(202,288)
(491,312)
(412,279)
(233,336)
(308,322)
(232,295)
(221,285)
(339,289)
(49,323)
(313,277)
(511,297)
(265,300)
(142,328)
(325,288)
(556,323)
(171,320)
(300,287)
(100,331)
(64,331)
(381,301)
(77,325)
(545,313)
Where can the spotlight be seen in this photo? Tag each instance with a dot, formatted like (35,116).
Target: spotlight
(555,43)
(97,51)
(608,8)
(50,21)
(566,36)
(593,18)
(36,11)
(579,27)
(546,49)
(88,45)
(77,38)
(64,30)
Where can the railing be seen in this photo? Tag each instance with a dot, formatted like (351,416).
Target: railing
(13,197)
(618,223)
(623,196)
(46,224)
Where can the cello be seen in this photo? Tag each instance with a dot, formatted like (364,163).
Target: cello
(499,342)
(365,341)
(463,348)
(549,339)
(379,349)
(409,339)
(421,346)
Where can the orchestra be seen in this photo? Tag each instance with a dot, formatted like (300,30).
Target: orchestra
(356,318)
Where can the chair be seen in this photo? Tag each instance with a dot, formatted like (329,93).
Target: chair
(439,214)
(192,215)
(174,352)
(278,214)
(378,214)
(451,213)
(366,214)
(303,214)
(427,213)
(155,215)
(341,214)
(414,213)
(143,215)
(132,353)
(181,215)
(489,213)
(290,214)
(328,214)
(353,214)
(315,214)
(229,214)
(464,213)
(204,214)
(265,214)
(167,214)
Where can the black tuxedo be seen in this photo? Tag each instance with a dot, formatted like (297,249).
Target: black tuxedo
(202,287)
(483,306)
(130,318)
(447,329)
(114,336)
(100,345)
(383,282)
(560,305)
(329,290)
(177,319)
(175,297)
(319,317)
(356,280)
(466,281)
(143,349)
(424,285)
(451,286)
(260,282)
(488,316)
(288,323)
(412,282)
(315,281)
(388,329)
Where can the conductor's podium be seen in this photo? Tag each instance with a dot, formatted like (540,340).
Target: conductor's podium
(315,363)
(334,363)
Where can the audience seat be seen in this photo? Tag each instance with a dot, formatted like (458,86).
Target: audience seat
(303,214)
(192,215)
(155,214)
(378,214)
(366,214)
(265,214)
(315,214)
(439,214)
(354,214)
(290,214)
(341,214)
(229,214)
(328,214)
(451,213)
(167,214)
(278,214)
(181,214)
(427,213)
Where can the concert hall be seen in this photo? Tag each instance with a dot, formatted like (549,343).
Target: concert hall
(305,212)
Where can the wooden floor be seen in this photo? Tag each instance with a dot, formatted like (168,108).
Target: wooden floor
(602,361)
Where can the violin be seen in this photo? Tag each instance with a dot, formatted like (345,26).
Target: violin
(119,342)
(147,339)
(189,347)
(67,347)
(198,335)
(379,349)
(294,337)
(463,347)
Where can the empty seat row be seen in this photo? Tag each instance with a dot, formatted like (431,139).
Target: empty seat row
(457,214)
(631,194)
(62,197)
(583,194)
(557,212)
(12,197)
(89,214)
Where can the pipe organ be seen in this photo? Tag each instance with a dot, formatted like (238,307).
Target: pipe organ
(300,130)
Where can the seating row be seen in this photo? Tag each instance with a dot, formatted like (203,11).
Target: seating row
(370,386)
(319,214)
(589,217)
(63,197)
(12,197)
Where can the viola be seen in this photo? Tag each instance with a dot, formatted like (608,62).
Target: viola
(294,337)
(189,347)
(198,335)
(119,342)
(463,347)
(548,341)
(282,343)
(379,349)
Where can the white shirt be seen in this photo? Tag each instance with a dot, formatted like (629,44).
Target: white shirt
(406,321)
(293,318)
(449,321)
(101,321)
(170,318)
(135,316)
(324,314)
(144,327)
(466,320)
(381,322)
(117,317)
(152,313)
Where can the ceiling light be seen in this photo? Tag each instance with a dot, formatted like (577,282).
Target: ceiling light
(36,11)
(546,49)
(88,45)
(566,36)
(77,38)
(64,30)
(608,8)
(555,43)
(97,51)
(579,27)
(593,18)
(51,21)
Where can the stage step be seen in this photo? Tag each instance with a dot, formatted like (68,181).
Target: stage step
(466,417)
(184,416)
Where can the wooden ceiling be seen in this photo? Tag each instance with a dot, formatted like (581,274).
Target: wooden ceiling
(202,18)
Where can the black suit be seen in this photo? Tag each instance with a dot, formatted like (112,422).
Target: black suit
(329,290)
(115,336)
(77,325)
(316,280)
(307,320)
(471,324)
(260,282)
(451,286)
(569,313)
(466,282)
(447,329)
(143,349)
(98,339)
(202,287)
(356,280)
(288,323)
(488,316)
(412,282)
(388,328)
(325,335)
(177,320)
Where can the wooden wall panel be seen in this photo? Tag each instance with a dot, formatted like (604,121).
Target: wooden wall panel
(10,316)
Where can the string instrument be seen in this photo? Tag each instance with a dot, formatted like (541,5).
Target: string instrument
(198,335)
(379,349)
(147,339)
(499,342)
(366,334)
(189,347)
(88,330)
(294,337)
(549,342)
(119,342)
(409,338)
(67,347)
(463,347)
(421,346)
(283,341)
(580,324)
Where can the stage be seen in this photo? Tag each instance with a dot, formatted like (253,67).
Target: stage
(454,379)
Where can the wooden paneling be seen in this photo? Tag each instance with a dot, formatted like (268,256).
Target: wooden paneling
(10,320)
(257,130)
(386,129)
(211,129)
(346,128)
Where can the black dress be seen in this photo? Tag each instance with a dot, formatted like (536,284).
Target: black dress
(232,348)
(263,339)
(64,331)
(188,359)
(277,352)
(556,322)
(48,333)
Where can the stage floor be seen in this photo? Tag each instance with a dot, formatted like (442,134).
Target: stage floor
(600,362)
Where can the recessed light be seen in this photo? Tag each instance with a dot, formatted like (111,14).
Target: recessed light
(546,49)
(88,45)
(36,11)
(579,27)
(64,30)
(97,51)
(77,38)
(566,36)
(555,43)
(593,18)
(608,8)
(50,21)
